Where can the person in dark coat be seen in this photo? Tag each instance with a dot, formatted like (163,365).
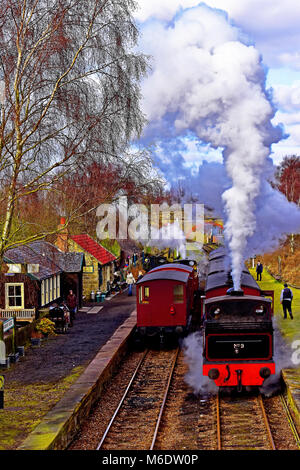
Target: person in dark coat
(259,270)
(286,298)
(72,305)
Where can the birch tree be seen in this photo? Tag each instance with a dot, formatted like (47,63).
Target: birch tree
(69,94)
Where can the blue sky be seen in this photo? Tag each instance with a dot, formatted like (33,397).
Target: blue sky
(272,26)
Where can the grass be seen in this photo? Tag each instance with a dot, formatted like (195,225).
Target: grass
(290,328)
(25,406)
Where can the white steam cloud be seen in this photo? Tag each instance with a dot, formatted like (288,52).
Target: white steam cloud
(209,82)
(193,349)
(169,236)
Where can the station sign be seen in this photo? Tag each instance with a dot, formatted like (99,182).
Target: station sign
(8,324)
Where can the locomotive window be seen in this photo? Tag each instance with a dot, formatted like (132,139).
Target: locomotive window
(260,310)
(244,310)
(178,294)
(214,312)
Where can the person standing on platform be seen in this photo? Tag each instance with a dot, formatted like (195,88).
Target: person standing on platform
(130,281)
(259,270)
(72,305)
(286,298)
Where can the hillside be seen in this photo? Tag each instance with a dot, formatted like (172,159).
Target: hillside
(284,263)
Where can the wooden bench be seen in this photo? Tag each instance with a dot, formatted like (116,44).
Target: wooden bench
(26,315)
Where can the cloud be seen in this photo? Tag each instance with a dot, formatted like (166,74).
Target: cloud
(273,25)
(287,100)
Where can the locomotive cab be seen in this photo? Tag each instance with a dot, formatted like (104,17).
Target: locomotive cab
(238,330)
(238,340)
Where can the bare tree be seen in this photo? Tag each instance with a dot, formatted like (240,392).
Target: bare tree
(288,178)
(69,95)
(288,182)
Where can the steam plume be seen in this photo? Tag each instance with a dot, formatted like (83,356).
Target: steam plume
(208,82)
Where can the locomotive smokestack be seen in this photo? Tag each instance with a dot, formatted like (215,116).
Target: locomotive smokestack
(236,293)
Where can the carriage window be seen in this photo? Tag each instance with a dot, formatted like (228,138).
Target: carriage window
(178,294)
(147,293)
(144,294)
(140,295)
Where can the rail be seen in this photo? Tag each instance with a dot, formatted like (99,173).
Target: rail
(122,400)
(264,416)
(128,388)
(164,399)
(267,425)
(290,421)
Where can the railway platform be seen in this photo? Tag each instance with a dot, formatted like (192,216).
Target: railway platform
(51,378)
(60,425)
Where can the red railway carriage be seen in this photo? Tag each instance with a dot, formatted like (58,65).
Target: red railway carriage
(165,300)
(238,331)
(180,266)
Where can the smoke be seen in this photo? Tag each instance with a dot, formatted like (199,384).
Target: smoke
(276,217)
(283,360)
(169,236)
(208,84)
(193,351)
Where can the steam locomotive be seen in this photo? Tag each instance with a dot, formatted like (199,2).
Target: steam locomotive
(237,328)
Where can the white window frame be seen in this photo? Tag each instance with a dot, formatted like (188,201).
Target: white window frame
(14,284)
(47,290)
(58,286)
(50,289)
(43,297)
(55,287)
(141,294)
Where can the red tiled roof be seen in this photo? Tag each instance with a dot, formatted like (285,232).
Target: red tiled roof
(93,248)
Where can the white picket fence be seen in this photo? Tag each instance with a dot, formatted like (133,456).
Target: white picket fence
(27,314)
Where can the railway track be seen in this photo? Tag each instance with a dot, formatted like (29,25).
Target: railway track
(141,407)
(149,406)
(243,423)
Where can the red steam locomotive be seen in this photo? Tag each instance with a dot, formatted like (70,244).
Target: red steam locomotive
(237,328)
(165,299)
